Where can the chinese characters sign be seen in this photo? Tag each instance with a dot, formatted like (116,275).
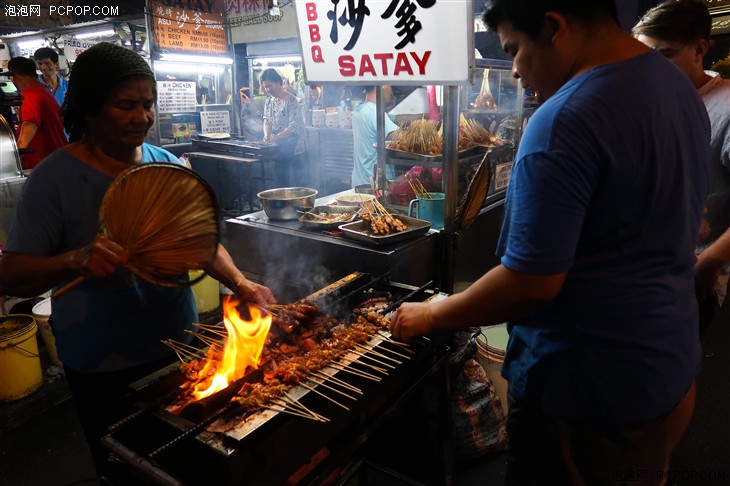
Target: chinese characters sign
(398,41)
(189,26)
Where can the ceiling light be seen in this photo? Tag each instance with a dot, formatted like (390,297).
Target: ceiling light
(30,43)
(98,33)
(171,67)
(195,59)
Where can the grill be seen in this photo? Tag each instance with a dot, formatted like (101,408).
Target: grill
(219,444)
(236,169)
(234,146)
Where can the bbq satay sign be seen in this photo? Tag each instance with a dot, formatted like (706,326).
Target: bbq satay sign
(386,41)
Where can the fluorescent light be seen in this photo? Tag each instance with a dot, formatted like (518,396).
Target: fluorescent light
(195,59)
(98,33)
(171,67)
(269,60)
(27,44)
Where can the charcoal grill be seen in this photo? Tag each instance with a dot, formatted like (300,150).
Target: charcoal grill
(226,447)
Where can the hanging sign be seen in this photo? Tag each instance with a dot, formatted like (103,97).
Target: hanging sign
(215,122)
(175,97)
(191,27)
(72,47)
(386,41)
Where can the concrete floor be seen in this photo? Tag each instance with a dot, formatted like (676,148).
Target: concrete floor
(41,442)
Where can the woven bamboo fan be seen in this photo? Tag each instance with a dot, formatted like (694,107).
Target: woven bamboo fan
(165,217)
(476,193)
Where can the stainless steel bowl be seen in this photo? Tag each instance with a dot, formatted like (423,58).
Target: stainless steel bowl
(283,203)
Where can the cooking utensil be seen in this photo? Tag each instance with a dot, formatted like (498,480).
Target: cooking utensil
(283,203)
(475,195)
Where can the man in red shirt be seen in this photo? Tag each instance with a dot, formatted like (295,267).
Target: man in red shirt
(39,116)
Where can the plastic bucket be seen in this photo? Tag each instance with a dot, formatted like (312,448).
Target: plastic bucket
(20,364)
(491,348)
(42,313)
(206,293)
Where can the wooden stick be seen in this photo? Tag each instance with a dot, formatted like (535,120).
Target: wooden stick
(73,283)
(340,382)
(323,395)
(363,355)
(360,373)
(325,385)
(372,351)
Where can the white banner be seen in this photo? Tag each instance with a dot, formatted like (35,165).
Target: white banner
(387,41)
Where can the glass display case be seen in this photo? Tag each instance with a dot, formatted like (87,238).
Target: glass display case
(191,98)
(491,121)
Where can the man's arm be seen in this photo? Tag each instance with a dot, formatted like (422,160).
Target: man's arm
(27,132)
(500,295)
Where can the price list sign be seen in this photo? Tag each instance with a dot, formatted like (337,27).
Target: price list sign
(175,97)
(194,27)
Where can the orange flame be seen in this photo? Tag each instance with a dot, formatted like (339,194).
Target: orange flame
(242,349)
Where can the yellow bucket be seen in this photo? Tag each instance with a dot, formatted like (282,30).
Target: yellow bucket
(206,292)
(20,364)
(491,346)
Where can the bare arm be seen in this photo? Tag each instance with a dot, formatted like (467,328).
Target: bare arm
(27,132)
(501,294)
(28,275)
(225,271)
(709,263)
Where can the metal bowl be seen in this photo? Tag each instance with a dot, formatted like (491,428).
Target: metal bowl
(283,203)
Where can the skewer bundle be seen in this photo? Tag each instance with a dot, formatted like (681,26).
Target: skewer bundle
(382,223)
(165,217)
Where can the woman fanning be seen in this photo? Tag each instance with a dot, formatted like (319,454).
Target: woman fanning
(108,329)
(284,126)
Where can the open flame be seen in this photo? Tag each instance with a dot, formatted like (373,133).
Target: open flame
(242,349)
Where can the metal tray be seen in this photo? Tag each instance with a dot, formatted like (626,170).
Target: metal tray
(358,230)
(401,154)
(309,220)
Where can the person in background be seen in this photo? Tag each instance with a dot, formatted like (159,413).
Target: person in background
(284,126)
(680,30)
(365,136)
(39,116)
(47,60)
(596,279)
(109,328)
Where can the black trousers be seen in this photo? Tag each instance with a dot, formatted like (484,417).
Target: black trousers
(101,401)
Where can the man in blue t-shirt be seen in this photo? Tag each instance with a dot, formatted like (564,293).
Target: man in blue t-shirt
(597,251)
(365,136)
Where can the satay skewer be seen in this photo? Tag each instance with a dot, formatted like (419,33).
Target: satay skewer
(340,382)
(372,351)
(314,390)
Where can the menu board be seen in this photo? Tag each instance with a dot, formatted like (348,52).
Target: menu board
(215,122)
(175,96)
(193,27)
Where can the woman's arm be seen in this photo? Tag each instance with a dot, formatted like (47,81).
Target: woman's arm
(225,271)
(28,275)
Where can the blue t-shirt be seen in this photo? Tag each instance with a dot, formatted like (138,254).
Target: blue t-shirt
(365,135)
(609,185)
(60,93)
(101,324)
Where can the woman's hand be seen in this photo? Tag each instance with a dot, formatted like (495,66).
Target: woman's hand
(249,291)
(100,258)
(412,320)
